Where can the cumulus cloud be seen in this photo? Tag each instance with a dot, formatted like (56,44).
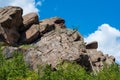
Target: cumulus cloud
(27,5)
(108,39)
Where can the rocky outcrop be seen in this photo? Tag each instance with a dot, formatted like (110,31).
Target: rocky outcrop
(54,47)
(51,41)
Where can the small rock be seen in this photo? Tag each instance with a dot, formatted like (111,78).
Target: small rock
(46,28)
(92,45)
(30,35)
(8,52)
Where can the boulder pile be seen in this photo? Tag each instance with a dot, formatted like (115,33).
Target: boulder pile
(51,41)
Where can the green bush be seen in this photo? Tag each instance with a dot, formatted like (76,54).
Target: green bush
(73,71)
(16,69)
(109,73)
(65,71)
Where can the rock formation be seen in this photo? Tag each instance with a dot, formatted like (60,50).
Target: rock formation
(51,41)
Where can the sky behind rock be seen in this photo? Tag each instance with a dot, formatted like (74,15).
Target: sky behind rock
(95,19)
(27,5)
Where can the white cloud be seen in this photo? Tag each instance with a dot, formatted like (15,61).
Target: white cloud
(108,39)
(27,5)
(39,3)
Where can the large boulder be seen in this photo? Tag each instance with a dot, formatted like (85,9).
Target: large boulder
(55,21)
(29,20)
(10,22)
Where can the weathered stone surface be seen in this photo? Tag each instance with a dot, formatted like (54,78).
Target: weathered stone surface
(92,45)
(29,20)
(54,47)
(30,35)
(10,22)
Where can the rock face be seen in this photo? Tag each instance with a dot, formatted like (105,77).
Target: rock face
(51,41)
(55,46)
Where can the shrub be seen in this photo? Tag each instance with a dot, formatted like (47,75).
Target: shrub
(109,73)
(15,68)
(65,71)
(73,71)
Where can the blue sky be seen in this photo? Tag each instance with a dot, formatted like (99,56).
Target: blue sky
(96,20)
(85,14)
